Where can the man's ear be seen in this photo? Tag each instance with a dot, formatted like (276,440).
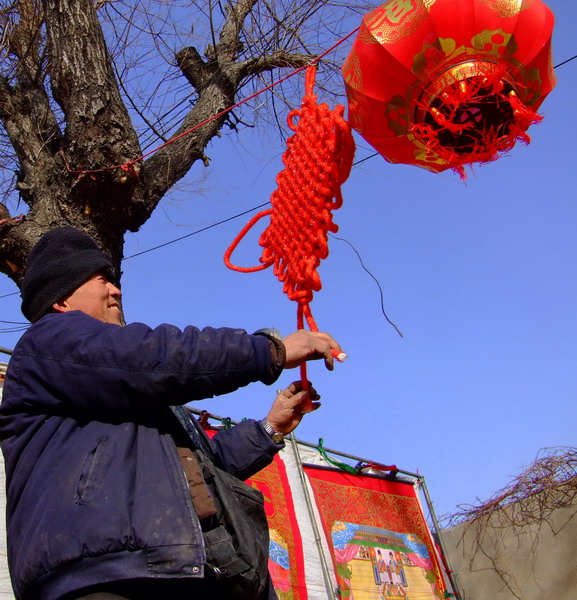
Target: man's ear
(61,306)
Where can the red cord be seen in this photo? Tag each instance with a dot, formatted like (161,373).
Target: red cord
(129,166)
(317,162)
(12,220)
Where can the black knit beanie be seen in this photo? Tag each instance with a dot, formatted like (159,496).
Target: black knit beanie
(63,259)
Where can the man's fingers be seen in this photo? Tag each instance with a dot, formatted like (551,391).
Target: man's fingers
(294,387)
(310,345)
(300,398)
(291,390)
(314,395)
(331,350)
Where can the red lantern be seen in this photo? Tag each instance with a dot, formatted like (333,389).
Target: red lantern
(443,83)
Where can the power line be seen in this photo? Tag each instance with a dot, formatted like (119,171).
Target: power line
(170,242)
(565,61)
(220,222)
(198,231)
(358,162)
(10,294)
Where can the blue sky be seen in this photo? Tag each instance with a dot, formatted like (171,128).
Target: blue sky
(480,277)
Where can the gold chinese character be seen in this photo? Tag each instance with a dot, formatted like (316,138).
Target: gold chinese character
(396,10)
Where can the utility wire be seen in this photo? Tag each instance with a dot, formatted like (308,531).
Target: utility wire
(357,162)
(198,231)
(219,222)
(565,61)
(568,60)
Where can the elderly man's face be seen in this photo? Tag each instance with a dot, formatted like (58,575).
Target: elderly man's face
(97,297)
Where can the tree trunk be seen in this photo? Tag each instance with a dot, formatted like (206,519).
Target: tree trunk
(77,155)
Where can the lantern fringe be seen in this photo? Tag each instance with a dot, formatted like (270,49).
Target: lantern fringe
(476,119)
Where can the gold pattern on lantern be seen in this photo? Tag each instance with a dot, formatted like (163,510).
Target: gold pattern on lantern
(508,8)
(395,20)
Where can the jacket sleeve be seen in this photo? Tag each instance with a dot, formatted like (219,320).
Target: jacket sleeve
(244,450)
(75,360)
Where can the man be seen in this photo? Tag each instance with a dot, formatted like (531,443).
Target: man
(100,503)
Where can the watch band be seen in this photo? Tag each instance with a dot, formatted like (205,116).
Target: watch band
(269,332)
(276,436)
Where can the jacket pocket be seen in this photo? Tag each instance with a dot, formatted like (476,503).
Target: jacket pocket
(221,555)
(92,472)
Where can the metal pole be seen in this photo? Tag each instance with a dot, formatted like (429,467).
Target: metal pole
(357,458)
(310,507)
(196,411)
(448,570)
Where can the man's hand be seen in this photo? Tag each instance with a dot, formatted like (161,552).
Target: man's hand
(306,345)
(288,408)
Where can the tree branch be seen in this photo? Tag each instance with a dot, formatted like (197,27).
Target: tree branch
(25,108)
(167,166)
(197,71)
(65,124)
(277,60)
(33,131)
(229,44)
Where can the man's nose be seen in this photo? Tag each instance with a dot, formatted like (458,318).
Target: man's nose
(113,290)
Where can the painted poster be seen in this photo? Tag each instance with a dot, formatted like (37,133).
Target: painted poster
(380,542)
(285,550)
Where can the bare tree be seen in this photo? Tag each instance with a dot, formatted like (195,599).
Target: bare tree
(88,88)
(505,533)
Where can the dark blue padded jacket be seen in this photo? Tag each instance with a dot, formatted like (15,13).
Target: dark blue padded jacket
(95,489)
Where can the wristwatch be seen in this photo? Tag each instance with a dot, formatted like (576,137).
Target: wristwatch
(269,332)
(276,436)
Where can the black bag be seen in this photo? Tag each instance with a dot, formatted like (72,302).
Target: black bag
(236,539)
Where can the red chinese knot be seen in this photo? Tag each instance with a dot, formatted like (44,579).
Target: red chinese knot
(317,161)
